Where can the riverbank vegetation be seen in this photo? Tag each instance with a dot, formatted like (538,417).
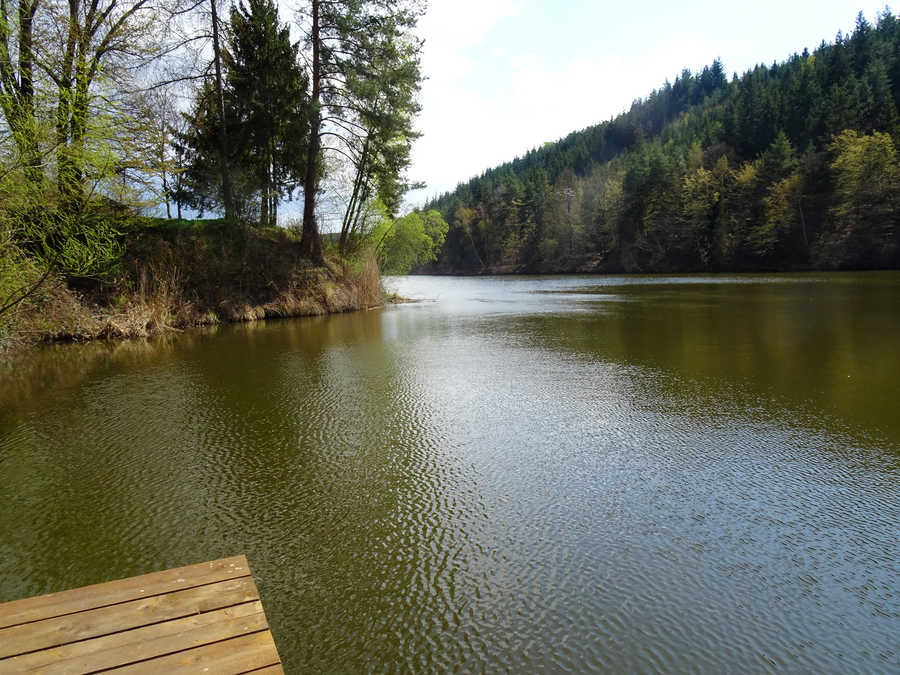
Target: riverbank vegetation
(179,274)
(114,110)
(787,167)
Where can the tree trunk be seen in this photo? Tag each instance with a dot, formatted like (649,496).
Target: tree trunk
(310,242)
(355,204)
(166,193)
(272,182)
(163,143)
(17,85)
(264,201)
(227,195)
(72,182)
(31,153)
(64,103)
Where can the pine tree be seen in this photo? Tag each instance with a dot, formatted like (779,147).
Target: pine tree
(352,43)
(266,114)
(267,101)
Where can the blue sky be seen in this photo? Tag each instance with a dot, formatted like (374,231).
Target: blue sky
(507,75)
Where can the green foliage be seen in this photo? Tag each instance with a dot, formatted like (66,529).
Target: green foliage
(701,193)
(410,241)
(862,223)
(87,129)
(82,245)
(771,238)
(37,240)
(73,139)
(786,166)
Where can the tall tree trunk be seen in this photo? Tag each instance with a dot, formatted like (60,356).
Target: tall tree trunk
(66,91)
(351,215)
(310,242)
(227,195)
(31,153)
(272,182)
(264,202)
(72,182)
(166,193)
(163,165)
(17,85)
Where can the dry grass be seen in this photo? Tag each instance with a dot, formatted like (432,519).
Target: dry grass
(369,293)
(172,285)
(155,307)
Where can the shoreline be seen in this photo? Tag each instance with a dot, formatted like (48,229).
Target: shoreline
(171,281)
(141,319)
(614,270)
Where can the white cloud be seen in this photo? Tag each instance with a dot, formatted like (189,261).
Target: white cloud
(453,112)
(485,103)
(451,28)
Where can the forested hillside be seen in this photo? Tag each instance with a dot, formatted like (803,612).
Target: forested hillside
(789,166)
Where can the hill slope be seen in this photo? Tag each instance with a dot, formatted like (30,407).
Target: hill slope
(790,166)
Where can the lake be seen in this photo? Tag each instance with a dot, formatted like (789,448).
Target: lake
(513,474)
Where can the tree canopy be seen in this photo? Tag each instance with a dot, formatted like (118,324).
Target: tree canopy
(413,240)
(364,70)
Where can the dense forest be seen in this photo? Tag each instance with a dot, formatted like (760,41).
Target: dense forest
(112,111)
(789,166)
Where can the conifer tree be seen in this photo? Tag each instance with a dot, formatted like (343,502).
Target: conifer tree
(267,97)
(351,44)
(266,117)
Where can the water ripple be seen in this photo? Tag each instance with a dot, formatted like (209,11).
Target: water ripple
(501,485)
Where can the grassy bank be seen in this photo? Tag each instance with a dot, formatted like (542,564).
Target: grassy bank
(178,274)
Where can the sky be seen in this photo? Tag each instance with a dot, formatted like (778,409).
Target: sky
(505,76)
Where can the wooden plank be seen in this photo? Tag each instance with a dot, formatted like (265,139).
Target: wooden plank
(114,618)
(142,643)
(268,670)
(230,657)
(123,590)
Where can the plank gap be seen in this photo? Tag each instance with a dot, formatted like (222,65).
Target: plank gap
(123,602)
(176,652)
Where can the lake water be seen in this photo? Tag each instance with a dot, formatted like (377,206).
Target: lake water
(515,474)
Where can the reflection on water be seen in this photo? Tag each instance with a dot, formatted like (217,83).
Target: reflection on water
(565,473)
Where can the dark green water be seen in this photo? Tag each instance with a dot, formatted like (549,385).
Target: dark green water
(518,474)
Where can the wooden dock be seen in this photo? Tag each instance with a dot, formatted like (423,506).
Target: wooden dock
(201,618)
